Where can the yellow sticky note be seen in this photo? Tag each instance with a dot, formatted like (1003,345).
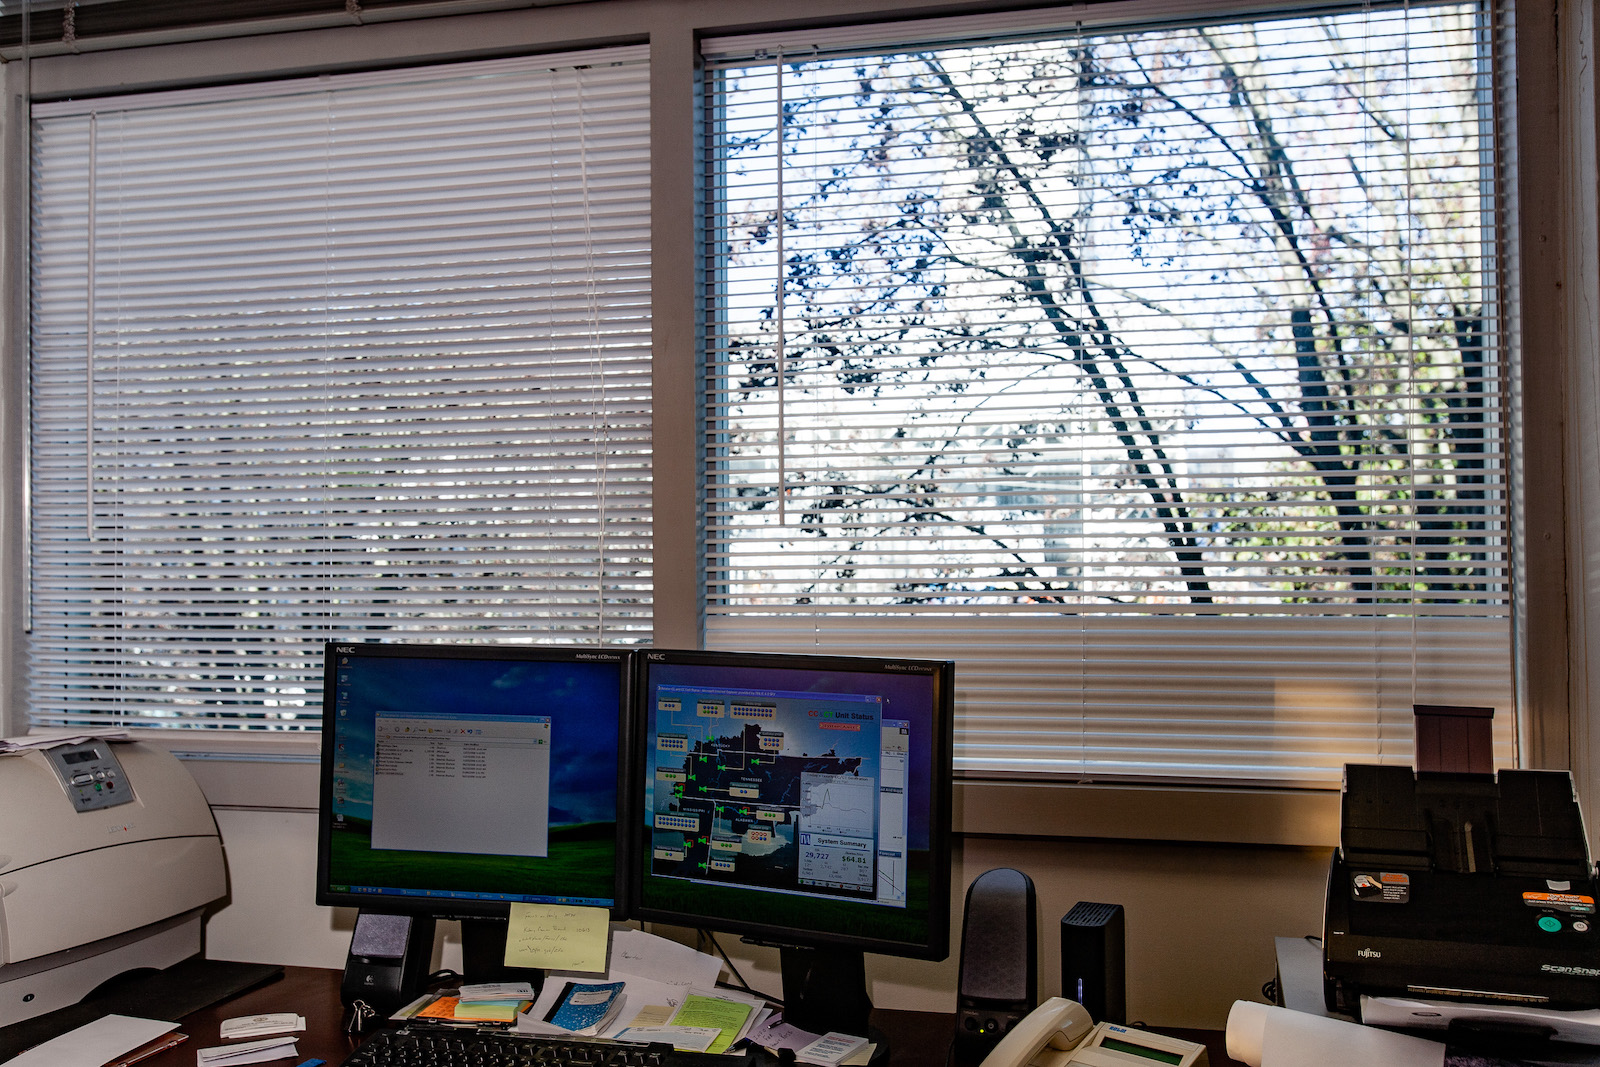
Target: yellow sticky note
(558,937)
(653,1015)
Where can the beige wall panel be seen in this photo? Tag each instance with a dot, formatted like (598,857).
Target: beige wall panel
(270,915)
(1201,918)
(1201,922)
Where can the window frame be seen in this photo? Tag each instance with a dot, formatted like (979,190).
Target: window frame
(1540,138)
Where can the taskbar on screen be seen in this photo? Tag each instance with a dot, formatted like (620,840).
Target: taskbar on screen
(487,898)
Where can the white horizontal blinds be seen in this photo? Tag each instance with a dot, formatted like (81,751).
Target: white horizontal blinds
(1265,699)
(1153,374)
(354,357)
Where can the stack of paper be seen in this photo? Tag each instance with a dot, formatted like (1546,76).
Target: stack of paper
(493,1001)
(830,1049)
(775,1035)
(101,1041)
(667,993)
(656,975)
(47,739)
(733,1014)
(452,1010)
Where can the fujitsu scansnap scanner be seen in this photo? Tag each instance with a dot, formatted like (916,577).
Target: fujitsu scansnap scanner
(1472,887)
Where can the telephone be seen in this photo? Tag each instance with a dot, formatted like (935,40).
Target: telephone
(1059,1032)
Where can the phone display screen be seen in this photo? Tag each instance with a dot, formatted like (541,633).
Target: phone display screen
(1145,1051)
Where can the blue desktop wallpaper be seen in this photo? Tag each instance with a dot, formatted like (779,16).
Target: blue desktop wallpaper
(583,702)
(580,698)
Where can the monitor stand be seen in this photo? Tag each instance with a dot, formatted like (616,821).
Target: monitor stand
(825,989)
(483,954)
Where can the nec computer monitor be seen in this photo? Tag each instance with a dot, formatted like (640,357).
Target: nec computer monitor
(460,779)
(803,801)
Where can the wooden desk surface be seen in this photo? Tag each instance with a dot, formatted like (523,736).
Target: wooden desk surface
(916,1038)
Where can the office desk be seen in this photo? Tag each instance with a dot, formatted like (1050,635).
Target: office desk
(917,1039)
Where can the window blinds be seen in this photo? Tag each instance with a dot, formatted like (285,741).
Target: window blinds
(349,357)
(1154,374)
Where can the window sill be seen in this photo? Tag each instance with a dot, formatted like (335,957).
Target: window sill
(237,770)
(1141,812)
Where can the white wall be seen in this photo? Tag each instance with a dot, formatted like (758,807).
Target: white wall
(270,916)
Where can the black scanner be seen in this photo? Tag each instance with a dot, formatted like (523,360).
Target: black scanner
(1471,887)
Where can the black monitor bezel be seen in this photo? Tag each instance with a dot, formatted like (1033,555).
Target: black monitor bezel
(458,908)
(941,787)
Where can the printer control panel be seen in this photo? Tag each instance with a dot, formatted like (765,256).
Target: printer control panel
(91,775)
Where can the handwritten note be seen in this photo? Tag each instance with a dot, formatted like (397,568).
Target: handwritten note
(557,937)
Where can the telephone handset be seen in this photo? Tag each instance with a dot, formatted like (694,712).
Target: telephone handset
(1060,1032)
(1058,1025)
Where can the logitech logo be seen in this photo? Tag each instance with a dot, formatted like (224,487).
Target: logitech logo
(1369,954)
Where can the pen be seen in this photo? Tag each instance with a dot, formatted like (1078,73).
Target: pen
(313,1063)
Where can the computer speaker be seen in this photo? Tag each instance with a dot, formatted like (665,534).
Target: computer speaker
(1094,960)
(388,961)
(999,957)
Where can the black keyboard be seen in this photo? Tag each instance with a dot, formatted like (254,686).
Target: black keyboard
(415,1046)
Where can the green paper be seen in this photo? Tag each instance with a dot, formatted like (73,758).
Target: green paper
(726,1015)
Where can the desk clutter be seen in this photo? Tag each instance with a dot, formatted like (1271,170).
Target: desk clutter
(654,993)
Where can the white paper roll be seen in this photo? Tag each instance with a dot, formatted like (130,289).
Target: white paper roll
(1247,1030)
(1263,1036)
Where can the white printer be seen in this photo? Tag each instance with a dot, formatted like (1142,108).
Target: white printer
(108,855)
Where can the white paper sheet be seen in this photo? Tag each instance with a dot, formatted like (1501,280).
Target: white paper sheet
(1263,1036)
(775,1034)
(268,1048)
(829,1049)
(648,956)
(682,1038)
(46,739)
(94,1044)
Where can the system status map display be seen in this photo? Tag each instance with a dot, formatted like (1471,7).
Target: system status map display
(795,792)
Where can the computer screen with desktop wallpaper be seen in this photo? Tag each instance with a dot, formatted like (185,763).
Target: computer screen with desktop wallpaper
(458,779)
